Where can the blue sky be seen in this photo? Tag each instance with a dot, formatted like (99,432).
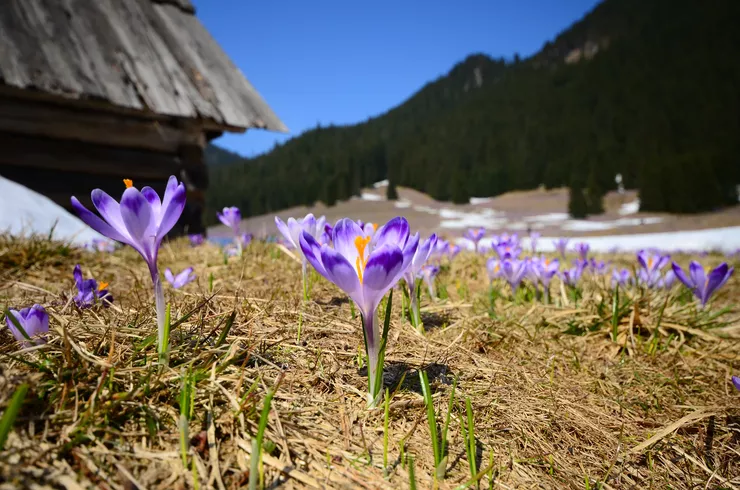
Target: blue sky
(340,62)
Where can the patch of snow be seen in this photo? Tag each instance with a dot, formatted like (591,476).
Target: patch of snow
(382,183)
(518,225)
(23,211)
(368,196)
(402,203)
(426,209)
(548,218)
(488,218)
(629,207)
(723,239)
(480,200)
(583,225)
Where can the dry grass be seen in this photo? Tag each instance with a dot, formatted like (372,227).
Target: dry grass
(557,402)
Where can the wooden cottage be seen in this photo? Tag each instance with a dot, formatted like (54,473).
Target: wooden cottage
(94,91)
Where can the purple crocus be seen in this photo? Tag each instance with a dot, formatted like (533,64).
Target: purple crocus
(561,245)
(508,250)
(533,237)
(736,382)
(475,235)
(421,256)
(621,277)
(88,290)
(668,280)
(597,266)
(513,271)
(34,321)
(232,217)
(365,267)
(141,221)
(543,269)
(571,276)
(493,267)
(292,233)
(246,239)
(651,263)
(429,273)
(180,279)
(101,245)
(196,239)
(582,248)
(702,284)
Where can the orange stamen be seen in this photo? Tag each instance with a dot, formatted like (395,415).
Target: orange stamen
(129,183)
(375,226)
(102,286)
(361,262)
(650,263)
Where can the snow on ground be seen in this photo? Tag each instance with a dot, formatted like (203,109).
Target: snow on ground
(402,203)
(487,218)
(724,239)
(715,239)
(382,183)
(548,218)
(480,200)
(368,196)
(426,209)
(629,207)
(23,211)
(583,225)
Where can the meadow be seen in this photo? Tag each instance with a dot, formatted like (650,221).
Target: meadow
(595,386)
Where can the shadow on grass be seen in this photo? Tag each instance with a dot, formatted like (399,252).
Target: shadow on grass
(399,375)
(433,321)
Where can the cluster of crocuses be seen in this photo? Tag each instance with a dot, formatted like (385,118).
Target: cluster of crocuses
(141,220)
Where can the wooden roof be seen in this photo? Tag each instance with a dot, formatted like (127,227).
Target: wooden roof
(152,56)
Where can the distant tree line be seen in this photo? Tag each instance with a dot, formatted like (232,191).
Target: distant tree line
(656,100)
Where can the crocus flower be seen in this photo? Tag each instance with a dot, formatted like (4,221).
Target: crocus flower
(100,245)
(141,221)
(453,250)
(429,273)
(582,248)
(533,237)
(543,270)
(420,258)
(292,234)
(246,239)
(561,245)
(34,321)
(181,279)
(702,284)
(668,280)
(232,218)
(621,277)
(571,276)
(513,271)
(365,268)
(88,290)
(736,382)
(597,267)
(651,264)
(196,239)
(493,267)
(508,250)
(475,235)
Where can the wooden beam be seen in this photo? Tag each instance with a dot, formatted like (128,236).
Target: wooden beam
(70,156)
(55,121)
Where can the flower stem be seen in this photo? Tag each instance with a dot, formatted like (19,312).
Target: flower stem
(414,306)
(162,349)
(372,349)
(305,280)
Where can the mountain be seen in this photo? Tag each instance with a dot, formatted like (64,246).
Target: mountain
(645,89)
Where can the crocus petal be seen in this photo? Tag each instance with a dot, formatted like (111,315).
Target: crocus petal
(168,275)
(394,232)
(342,273)
(345,233)
(283,229)
(312,251)
(36,321)
(184,277)
(77,273)
(153,198)
(714,280)
(109,209)
(736,382)
(681,275)
(136,213)
(696,273)
(172,208)
(384,265)
(96,223)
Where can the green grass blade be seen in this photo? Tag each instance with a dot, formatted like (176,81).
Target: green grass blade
(412,475)
(383,342)
(450,404)
(431,419)
(386,412)
(227,328)
(471,438)
(254,463)
(11,413)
